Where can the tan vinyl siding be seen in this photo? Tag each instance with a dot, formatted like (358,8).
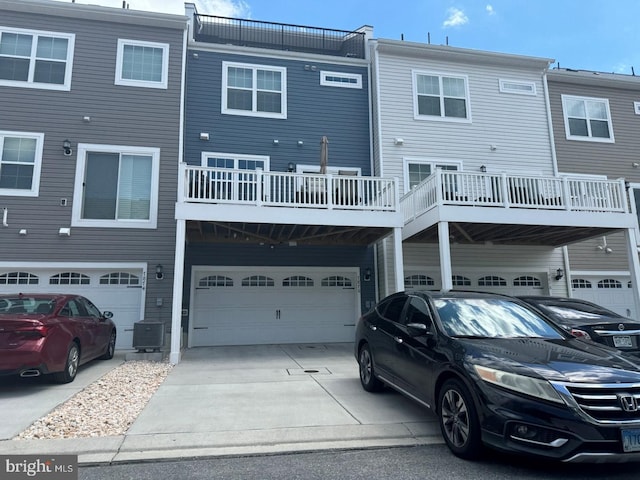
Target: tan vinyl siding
(586,255)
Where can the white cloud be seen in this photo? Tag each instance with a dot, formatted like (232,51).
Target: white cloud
(223,8)
(490,10)
(456,18)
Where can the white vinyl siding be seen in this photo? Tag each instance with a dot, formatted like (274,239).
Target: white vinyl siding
(142,64)
(254,90)
(20,163)
(36,59)
(116,186)
(587,119)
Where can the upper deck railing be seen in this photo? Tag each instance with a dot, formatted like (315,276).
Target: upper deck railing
(278,36)
(514,191)
(279,189)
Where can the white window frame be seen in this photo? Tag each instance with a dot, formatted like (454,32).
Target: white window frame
(588,138)
(37,164)
(253,112)
(66,86)
(432,162)
(326,81)
(163,83)
(636,108)
(442,117)
(236,157)
(76,215)
(332,169)
(511,86)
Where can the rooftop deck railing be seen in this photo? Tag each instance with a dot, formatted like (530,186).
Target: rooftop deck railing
(277,189)
(514,191)
(279,36)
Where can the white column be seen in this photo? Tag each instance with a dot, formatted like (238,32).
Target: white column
(445,256)
(178,281)
(634,266)
(397,259)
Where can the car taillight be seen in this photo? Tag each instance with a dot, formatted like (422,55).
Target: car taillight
(580,334)
(34,332)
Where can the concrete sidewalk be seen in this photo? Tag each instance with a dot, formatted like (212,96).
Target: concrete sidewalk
(255,400)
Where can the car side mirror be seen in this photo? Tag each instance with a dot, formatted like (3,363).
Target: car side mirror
(418,329)
(107,314)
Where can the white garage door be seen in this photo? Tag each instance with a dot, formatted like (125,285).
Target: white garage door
(118,290)
(505,283)
(251,306)
(612,292)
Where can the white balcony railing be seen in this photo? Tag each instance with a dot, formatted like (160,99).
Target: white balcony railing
(514,191)
(278,189)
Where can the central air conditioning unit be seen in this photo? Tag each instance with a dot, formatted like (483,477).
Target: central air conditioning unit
(148,335)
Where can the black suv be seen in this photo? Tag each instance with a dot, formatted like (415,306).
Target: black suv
(499,373)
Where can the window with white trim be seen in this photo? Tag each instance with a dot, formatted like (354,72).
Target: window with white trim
(20,161)
(116,186)
(492,281)
(254,90)
(258,281)
(460,281)
(297,281)
(580,283)
(19,278)
(216,281)
(527,281)
(417,281)
(336,281)
(517,87)
(609,283)
(587,119)
(441,97)
(69,278)
(142,64)
(119,278)
(36,59)
(416,170)
(338,79)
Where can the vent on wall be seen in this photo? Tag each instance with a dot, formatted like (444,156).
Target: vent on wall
(148,335)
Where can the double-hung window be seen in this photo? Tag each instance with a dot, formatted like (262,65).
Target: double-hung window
(417,170)
(20,160)
(36,59)
(116,186)
(441,97)
(254,90)
(142,64)
(587,119)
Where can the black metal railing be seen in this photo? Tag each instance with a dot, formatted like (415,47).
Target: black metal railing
(278,36)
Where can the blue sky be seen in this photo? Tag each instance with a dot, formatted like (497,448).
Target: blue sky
(582,34)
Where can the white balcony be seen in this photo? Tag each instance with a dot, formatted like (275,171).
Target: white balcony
(515,208)
(256,197)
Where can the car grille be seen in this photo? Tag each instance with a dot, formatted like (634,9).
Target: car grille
(610,403)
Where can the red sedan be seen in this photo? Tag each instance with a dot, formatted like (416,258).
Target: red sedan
(43,334)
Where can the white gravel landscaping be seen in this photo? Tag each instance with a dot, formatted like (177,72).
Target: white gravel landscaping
(106,407)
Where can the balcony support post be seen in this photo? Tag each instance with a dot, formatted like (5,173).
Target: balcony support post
(634,267)
(398,261)
(445,256)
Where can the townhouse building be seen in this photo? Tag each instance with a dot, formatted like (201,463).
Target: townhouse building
(278,208)
(90,129)
(485,207)
(596,117)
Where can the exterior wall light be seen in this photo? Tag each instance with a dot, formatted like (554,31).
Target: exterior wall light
(159,272)
(66,147)
(367,275)
(559,274)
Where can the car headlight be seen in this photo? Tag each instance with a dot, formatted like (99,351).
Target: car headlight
(519,383)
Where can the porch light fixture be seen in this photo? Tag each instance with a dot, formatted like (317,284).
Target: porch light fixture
(275,141)
(204,136)
(483,168)
(367,275)
(66,147)
(291,167)
(300,143)
(398,141)
(159,272)
(64,232)
(559,274)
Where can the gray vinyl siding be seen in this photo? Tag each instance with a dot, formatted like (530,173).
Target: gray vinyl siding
(613,160)
(515,124)
(342,114)
(283,256)
(120,115)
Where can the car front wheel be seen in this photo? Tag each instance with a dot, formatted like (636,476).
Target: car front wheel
(367,374)
(71,365)
(458,420)
(111,347)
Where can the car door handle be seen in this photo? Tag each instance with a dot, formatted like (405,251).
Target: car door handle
(397,339)
(373,327)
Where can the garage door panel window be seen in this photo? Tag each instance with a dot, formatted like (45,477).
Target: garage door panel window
(609,283)
(460,281)
(19,278)
(336,281)
(119,278)
(297,281)
(215,281)
(527,281)
(116,187)
(580,283)
(258,281)
(492,281)
(417,281)
(69,278)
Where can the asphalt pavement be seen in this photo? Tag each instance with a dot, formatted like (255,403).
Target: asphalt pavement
(226,401)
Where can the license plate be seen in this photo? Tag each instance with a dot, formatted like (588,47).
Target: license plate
(622,341)
(631,440)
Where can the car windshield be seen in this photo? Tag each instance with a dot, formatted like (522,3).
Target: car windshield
(23,304)
(491,318)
